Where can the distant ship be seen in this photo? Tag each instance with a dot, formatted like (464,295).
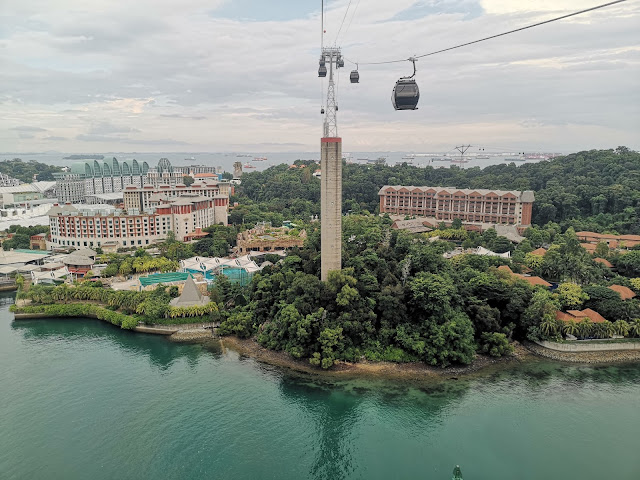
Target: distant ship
(483,157)
(248,165)
(190,159)
(259,159)
(243,155)
(517,159)
(84,157)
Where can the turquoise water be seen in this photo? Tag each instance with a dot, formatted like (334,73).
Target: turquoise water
(81,399)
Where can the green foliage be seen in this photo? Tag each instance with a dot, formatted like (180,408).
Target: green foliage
(628,263)
(141,262)
(571,295)
(22,235)
(495,344)
(187,180)
(590,190)
(24,171)
(239,323)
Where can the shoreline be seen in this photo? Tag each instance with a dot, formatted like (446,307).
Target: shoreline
(527,352)
(387,370)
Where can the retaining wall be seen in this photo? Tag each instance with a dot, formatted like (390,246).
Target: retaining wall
(589,347)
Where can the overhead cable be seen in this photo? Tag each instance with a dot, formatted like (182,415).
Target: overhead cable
(341,24)
(493,36)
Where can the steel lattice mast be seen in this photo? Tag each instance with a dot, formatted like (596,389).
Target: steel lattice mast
(332,58)
(331,178)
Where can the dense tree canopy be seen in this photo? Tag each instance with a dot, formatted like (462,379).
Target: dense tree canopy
(24,171)
(594,190)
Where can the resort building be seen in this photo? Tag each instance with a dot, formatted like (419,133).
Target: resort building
(96,177)
(591,239)
(83,227)
(164,174)
(139,199)
(265,238)
(510,207)
(531,280)
(625,292)
(580,315)
(27,194)
(7,181)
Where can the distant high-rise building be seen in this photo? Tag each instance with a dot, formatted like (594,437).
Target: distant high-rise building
(97,177)
(237,169)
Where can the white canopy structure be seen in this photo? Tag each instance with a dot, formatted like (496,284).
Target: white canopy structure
(485,251)
(49,277)
(210,266)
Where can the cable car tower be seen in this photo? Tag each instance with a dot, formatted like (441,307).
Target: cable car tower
(331,167)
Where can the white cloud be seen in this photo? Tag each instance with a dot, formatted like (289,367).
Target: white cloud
(109,72)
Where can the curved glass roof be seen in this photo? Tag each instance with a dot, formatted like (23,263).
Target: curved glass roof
(110,168)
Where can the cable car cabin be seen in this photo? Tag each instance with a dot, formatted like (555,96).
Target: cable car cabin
(405,94)
(322,71)
(354,77)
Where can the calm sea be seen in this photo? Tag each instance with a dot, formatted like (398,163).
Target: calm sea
(81,399)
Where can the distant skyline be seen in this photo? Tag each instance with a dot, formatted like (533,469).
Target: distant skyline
(241,75)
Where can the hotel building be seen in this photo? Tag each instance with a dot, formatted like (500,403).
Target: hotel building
(469,205)
(140,199)
(97,177)
(79,228)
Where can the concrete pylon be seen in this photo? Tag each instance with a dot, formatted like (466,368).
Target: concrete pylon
(330,205)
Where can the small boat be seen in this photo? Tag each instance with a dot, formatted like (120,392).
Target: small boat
(457,473)
(190,159)
(248,165)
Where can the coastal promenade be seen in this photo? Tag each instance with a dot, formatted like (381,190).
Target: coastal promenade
(591,354)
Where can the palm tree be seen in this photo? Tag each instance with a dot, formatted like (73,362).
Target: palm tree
(570,328)
(585,327)
(621,328)
(549,326)
(607,329)
(634,327)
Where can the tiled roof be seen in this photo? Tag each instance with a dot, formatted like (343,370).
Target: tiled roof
(625,292)
(539,251)
(526,196)
(594,316)
(565,317)
(535,281)
(603,261)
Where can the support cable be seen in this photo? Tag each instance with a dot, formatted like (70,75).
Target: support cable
(494,36)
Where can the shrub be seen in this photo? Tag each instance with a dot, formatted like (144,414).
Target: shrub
(495,344)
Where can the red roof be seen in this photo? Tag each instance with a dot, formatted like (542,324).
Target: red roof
(539,251)
(535,281)
(205,175)
(603,261)
(565,317)
(625,292)
(592,315)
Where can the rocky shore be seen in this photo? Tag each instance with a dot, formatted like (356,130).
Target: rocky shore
(188,335)
(404,371)
(604,357)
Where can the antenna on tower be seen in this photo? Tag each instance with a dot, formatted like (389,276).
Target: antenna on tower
(462,149)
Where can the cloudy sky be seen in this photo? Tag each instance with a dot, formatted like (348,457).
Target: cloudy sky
(241,75)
